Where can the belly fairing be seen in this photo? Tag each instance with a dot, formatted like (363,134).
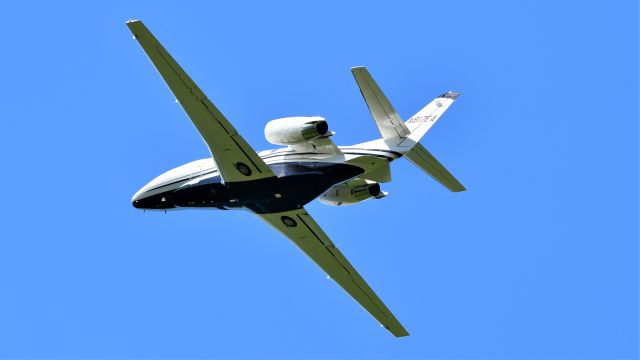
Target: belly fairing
(296,184)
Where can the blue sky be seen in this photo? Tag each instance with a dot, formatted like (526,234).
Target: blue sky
(538,259)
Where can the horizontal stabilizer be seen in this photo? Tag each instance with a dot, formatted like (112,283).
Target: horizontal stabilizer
(423,159)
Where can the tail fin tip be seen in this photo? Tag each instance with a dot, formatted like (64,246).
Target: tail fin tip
(450,95)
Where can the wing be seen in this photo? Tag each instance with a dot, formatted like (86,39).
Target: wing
(300,228)
(235,159)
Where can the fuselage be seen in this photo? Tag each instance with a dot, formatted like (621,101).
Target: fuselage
(300,178)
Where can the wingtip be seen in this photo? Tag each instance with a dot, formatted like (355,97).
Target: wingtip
(397,331)
(355,68)
(135,26)
(401,333)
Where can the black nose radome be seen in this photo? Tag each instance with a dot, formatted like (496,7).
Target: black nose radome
(154,202)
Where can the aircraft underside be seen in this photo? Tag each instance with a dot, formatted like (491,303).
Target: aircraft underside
(295,185)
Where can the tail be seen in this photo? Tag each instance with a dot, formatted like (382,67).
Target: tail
(404,137)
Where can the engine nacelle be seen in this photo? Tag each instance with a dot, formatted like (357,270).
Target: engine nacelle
(294,130)
(352,192)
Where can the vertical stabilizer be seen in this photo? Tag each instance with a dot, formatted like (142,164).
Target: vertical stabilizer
(424,119)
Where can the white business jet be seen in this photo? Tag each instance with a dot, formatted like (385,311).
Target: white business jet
(276,184)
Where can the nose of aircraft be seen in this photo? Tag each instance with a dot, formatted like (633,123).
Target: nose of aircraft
(135,200)
(147,199)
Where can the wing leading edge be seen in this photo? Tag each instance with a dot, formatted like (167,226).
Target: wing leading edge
(299,227)
(234,157)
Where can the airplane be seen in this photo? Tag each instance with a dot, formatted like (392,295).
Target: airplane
(276,184)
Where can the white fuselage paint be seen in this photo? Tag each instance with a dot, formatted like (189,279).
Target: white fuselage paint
(202,169)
